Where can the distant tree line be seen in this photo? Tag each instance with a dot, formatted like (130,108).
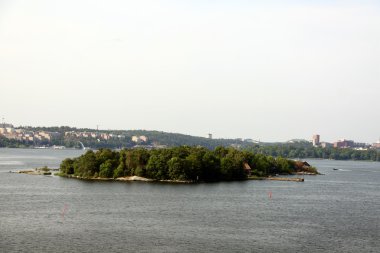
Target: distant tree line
(303,151)
(300,150)
(12,143)
(178,163)
(175,139)
(154,137)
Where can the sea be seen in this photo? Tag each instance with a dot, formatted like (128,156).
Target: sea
(338,211)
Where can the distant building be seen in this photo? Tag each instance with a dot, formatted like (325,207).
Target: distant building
(45,135)
(302,165)
(105,136)
(251,140)
(361,145)
(326,145)
(344,144)
(376,145)
(247,169)
(6,128)
(20,131)
(316,140)
(139,139)
(210,136)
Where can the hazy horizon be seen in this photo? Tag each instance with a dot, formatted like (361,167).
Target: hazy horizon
(266,70)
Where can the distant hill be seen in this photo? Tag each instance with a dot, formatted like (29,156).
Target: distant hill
(176,139)
(155,138)
(119,139)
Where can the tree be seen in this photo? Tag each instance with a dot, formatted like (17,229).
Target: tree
(106,169)
(283,165)
(119,172)
(226,168)
(86,165)
(67,166)
(157,167)
(177,168)
(104,155)
(220,152)
(261,165)
(210,167)
(121,169)
(193,166)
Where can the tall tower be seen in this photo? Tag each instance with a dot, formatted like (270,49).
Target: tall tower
(316,138)
(210,136)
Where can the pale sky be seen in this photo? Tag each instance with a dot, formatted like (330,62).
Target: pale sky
(268,70)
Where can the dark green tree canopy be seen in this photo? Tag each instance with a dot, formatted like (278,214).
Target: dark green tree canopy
(178,163)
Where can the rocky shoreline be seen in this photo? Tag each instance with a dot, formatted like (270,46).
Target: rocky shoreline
(127,179)
(46,172)
(37,171)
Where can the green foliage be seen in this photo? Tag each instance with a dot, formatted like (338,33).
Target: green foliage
(106,169)
(12,143)
(157,166)
(193,166)
(140,171)
(232,165)
(119,172)
(306,150)
(45,169)
(210,167)
(104,155)
(284,165)
(67,166)
(177,168)
(178,163)
(86,165)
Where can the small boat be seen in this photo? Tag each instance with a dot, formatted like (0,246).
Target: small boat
(335,169)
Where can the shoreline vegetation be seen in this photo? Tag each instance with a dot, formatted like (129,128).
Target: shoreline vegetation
(44,171)
(182,164)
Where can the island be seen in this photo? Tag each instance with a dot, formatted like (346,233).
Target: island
(180,164)
(44,171)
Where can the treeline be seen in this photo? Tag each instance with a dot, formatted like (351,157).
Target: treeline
(154,137)
(11,143)
(176,139)
(178,163)
(308,151)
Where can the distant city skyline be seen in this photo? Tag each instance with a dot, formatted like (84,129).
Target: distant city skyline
(266,70)
(315,139)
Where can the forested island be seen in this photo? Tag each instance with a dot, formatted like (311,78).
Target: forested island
(184,163)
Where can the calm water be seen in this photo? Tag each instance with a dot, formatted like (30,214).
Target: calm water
(336,212)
